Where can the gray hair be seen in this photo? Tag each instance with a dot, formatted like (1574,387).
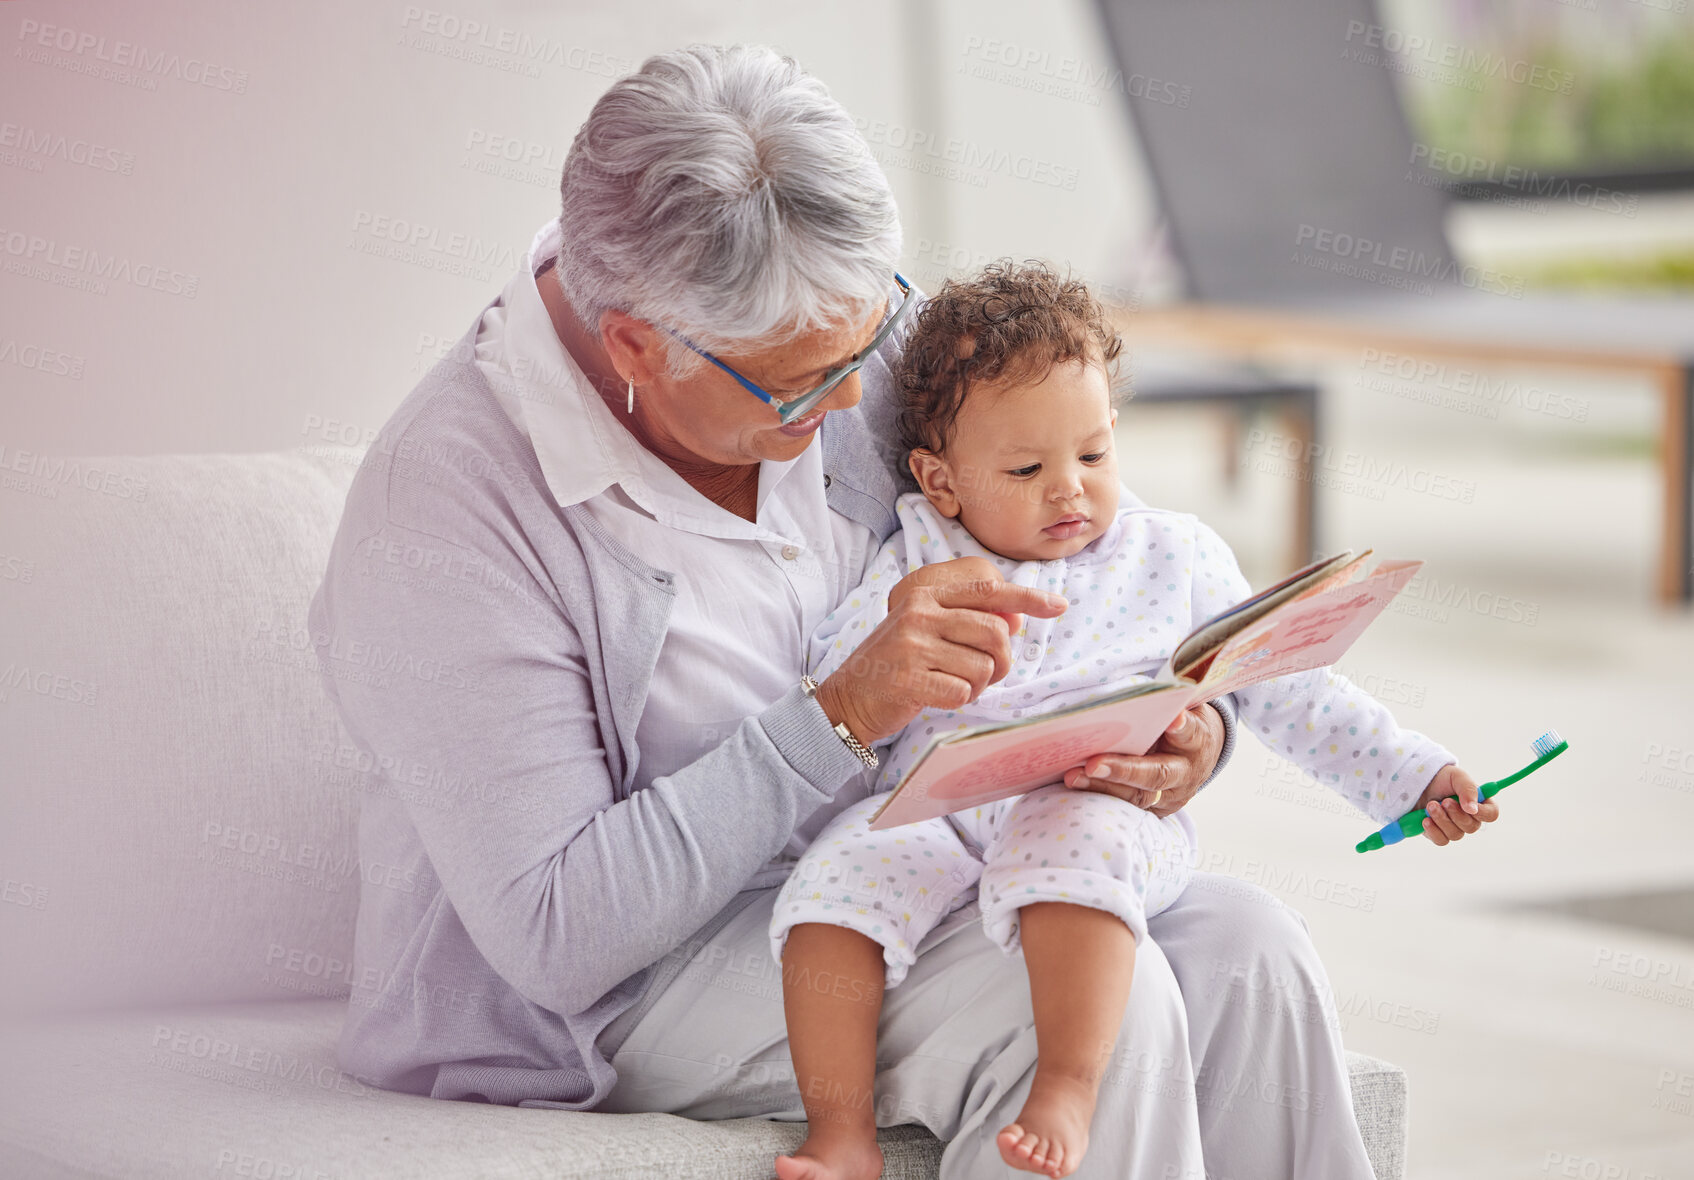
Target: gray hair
(721,192)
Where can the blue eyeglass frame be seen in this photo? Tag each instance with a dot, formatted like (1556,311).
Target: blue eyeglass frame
(787,411)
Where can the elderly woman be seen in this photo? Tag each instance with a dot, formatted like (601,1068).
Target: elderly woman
(565,614)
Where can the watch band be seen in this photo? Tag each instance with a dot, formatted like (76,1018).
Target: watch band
(865,754)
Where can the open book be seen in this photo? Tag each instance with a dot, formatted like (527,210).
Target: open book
(1307,620)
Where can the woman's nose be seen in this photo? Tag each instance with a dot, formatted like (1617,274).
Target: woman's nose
(845,395)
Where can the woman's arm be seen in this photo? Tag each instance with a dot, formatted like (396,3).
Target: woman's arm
(482,710)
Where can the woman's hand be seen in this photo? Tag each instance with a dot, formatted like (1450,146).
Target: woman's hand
(1454,819)
(946,638)
(1167,776)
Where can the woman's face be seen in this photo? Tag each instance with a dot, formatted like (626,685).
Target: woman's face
(709,416)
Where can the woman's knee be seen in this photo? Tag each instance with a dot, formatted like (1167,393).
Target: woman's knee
(1263,925)
(1151,1055)
(1229,934)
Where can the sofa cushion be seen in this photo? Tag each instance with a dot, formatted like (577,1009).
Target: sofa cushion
(179,829)
(253,1090)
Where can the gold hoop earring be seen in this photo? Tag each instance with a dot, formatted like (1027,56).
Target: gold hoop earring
(630,405)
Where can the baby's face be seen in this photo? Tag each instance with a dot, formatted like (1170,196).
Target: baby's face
(1031,469)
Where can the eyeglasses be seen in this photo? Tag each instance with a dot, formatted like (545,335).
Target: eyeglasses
(792,408)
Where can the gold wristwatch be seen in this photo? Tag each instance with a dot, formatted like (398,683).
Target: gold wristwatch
(865,753)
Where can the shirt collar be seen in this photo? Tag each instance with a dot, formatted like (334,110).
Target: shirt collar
(578,445)
(581,447)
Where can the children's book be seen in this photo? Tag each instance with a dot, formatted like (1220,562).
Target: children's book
(1307,620)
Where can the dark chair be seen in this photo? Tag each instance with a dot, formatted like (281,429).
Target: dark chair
(1306,224)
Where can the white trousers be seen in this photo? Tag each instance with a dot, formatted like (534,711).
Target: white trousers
(1220,1068)
(1052,844)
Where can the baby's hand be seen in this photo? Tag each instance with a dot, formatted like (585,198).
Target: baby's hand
(1454,819)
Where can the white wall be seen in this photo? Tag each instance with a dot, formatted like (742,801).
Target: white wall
(242,199)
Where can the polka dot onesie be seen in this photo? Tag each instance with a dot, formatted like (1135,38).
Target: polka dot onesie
(1134,593)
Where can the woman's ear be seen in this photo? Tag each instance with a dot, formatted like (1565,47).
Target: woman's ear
(632,346)
(935,478)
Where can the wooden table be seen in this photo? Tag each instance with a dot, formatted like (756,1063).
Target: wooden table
(1643,336)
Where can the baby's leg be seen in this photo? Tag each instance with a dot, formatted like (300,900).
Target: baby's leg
(832,981)
(846,925)
(1073,877)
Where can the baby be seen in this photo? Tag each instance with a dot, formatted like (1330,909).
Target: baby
(1008,420)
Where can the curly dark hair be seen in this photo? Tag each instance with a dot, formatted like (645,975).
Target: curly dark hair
(1010,321)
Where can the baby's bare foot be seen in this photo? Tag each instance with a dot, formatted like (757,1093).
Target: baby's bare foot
(1051,1131)
(833,1155)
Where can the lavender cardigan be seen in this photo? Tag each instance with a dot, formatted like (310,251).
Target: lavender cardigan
(490,652)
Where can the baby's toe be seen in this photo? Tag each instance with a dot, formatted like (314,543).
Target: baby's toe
(1017,1145)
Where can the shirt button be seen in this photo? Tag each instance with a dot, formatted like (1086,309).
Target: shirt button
(790,552)
(826,479)
(1032,651)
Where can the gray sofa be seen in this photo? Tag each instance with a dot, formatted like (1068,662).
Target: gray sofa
(177,841)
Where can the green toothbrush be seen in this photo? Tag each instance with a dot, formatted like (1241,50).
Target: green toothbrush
(1547,747)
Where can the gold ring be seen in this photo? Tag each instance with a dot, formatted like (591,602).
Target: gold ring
(1156,797)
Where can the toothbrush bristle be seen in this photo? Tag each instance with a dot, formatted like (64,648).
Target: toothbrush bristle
(1547,743)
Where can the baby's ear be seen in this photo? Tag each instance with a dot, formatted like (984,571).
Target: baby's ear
(935,479)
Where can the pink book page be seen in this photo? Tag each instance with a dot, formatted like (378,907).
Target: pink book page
(1311,632)
(959,775)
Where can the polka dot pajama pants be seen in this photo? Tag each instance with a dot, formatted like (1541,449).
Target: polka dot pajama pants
(1052,844)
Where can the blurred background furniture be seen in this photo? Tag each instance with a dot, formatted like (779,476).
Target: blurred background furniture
(181,858)
(1307,225)
(1244,393)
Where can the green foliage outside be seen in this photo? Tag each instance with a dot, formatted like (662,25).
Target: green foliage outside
(1625,112)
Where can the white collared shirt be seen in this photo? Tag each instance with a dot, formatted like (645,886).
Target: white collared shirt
(749,593)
